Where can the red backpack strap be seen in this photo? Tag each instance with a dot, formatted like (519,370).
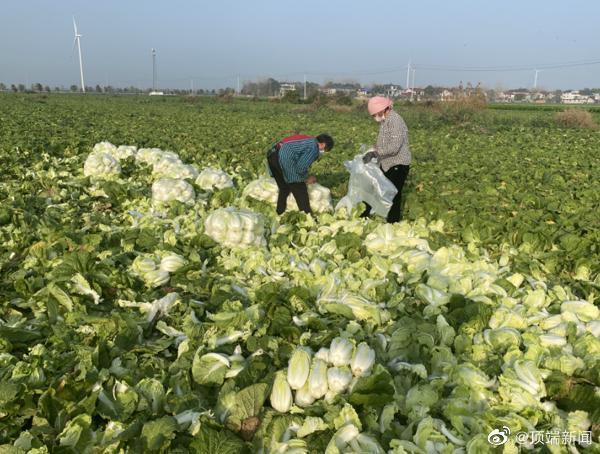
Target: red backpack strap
(293,138)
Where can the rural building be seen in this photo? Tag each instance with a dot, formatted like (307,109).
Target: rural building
(393,91)
(329,91)
(362,93)
(446,95)
(574,97)
(538,98)
(286,87)
(412,94)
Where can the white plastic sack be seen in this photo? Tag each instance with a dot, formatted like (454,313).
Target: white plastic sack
(368,184)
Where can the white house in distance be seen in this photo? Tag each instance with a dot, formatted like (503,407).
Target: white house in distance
(362,93)
(411,94)
(329,91)
(286,87)
(513,96)
(574,97)
(393,91)
(446,95)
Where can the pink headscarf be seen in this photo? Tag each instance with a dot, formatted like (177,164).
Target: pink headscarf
(378,104)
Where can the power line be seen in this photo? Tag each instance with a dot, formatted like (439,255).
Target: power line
(508,68)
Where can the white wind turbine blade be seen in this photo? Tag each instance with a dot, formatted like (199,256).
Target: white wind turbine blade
(75,26)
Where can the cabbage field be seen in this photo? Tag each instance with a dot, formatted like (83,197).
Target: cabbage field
(153,301)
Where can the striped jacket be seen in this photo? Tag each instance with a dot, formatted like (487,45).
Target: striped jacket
(392,143)
(296,154)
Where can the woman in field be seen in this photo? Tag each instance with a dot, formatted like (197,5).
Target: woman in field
(289,161)
(391,151)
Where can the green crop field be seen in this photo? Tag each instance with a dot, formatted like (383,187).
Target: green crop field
(133,324)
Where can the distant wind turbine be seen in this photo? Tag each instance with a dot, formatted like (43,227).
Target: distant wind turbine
(78,43)
(535,79)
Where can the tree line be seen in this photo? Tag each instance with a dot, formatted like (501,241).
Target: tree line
(39,88)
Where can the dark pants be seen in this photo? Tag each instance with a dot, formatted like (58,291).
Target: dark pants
(397,175)
(299,190)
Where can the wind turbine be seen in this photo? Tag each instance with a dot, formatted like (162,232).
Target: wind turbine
(78,43)
(535,79)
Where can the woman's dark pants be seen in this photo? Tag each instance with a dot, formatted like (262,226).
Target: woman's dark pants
(299,190)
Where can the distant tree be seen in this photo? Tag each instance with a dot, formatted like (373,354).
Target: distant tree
(269,87)
(311,89)
(350,85)
(249,88)
(2,86)
(57,89)
(37,87)
(430,91)
(21,88)
(47,89)
(586,92)
(223,91)
(98,89)
(342,99)
(378,89)
(291,97)
(201,91)
(14,88)
(74,88)
(318,98)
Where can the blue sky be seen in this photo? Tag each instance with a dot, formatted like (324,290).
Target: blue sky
(366,41)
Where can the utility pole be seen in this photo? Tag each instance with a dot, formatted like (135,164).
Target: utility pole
(305,87)
(153,69)
(191,86)
(238,85)
(535,79)
(408,76)
(412,91)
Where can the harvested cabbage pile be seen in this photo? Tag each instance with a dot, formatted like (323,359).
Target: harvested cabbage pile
(101,164)
(170,167)
(235,228)
(151,156)
(330,372)
(262,189)
(210,179)
(170,189)
(119,153)
(124,152)
(155,269)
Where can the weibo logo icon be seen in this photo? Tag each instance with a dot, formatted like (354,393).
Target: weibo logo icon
(499,437)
